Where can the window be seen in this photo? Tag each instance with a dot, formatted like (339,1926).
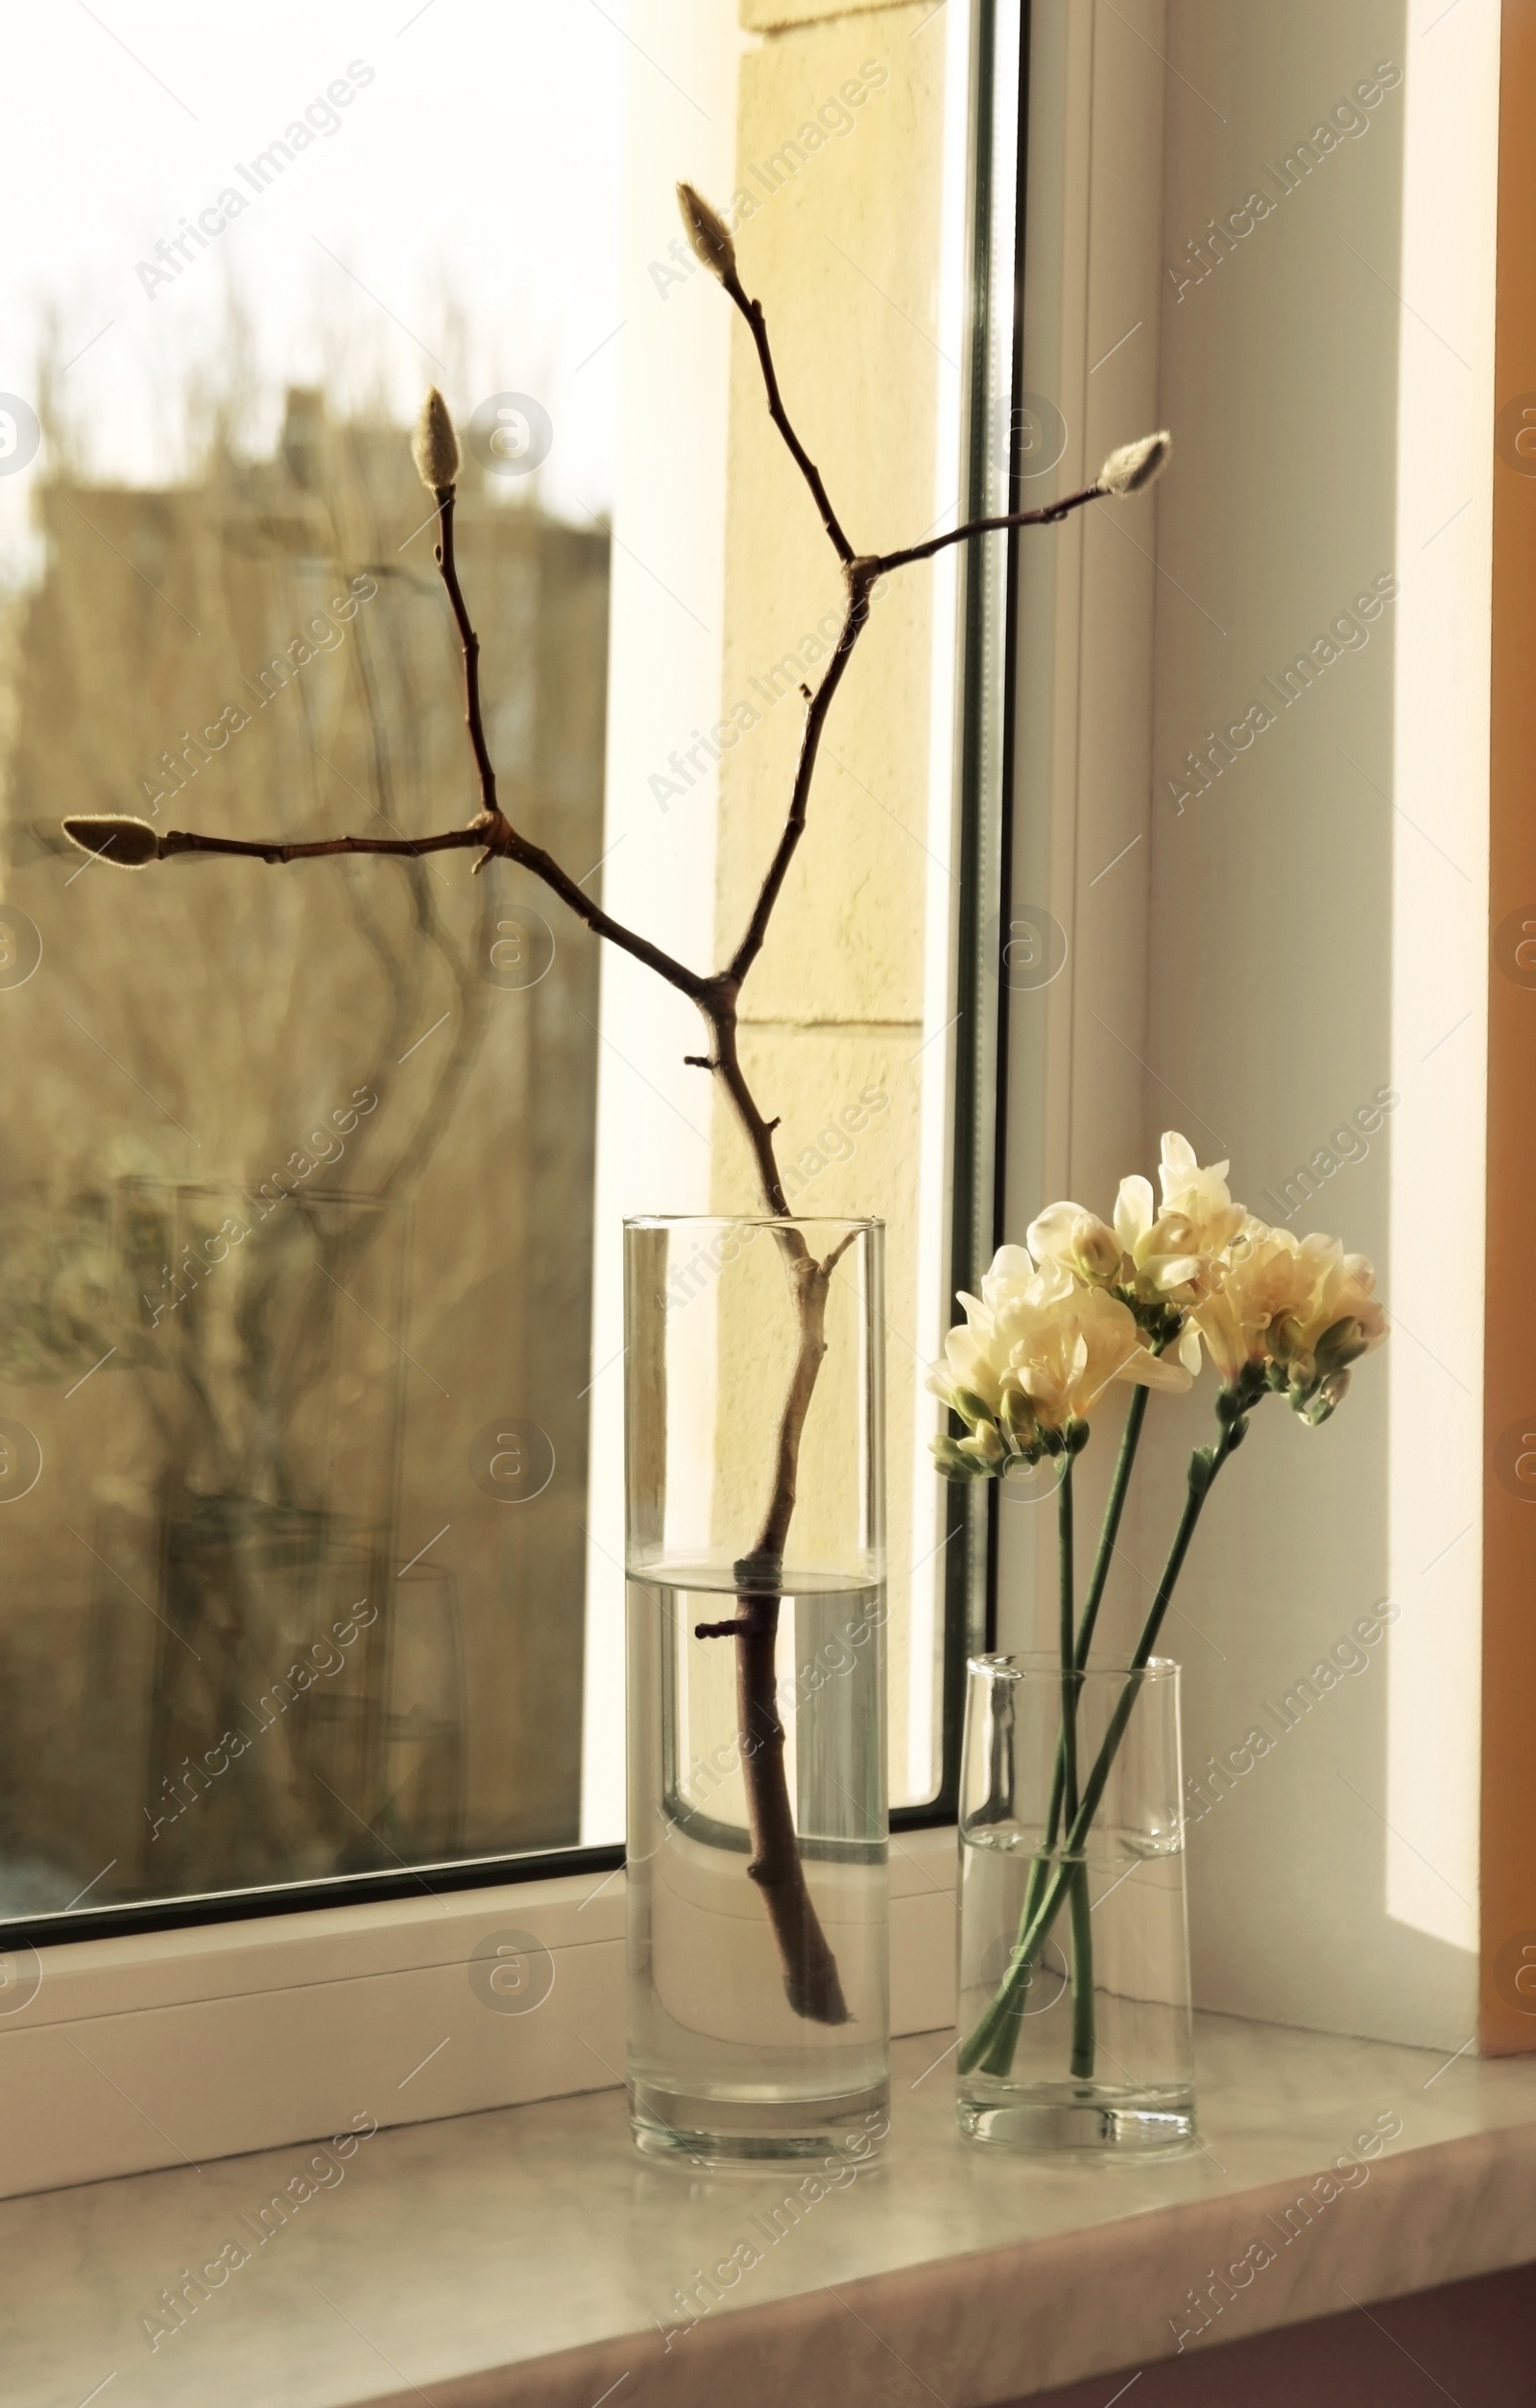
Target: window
(309,1242)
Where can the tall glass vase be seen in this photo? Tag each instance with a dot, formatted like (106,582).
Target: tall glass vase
(759,2020)
(1075,1960)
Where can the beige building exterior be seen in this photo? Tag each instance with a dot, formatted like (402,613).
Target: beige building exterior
(309,1151)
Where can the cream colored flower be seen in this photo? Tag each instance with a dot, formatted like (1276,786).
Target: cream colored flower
(1265,1278)
(1036,1353)
(1341,1320)
(1178,1253)
(1064,1233)
(1073,1346)
(1294,1313)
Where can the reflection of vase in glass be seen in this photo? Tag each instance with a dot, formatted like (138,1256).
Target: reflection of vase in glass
(422,1807)
(1074,1964)
(266,1454)
(759,2016)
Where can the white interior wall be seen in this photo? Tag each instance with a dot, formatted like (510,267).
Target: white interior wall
(1083,728)
(654,1115)
(1297,922)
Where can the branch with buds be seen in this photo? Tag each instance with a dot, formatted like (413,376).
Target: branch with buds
(810,1973)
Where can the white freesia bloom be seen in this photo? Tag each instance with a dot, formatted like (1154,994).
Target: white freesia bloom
(1294,1311)
(1037,1353)
(1074,1345)
(1180,1252)
(1064,1233)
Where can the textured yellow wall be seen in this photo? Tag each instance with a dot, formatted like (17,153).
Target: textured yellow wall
(843,248)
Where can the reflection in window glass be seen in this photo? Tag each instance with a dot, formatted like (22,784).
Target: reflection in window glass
(307,1442)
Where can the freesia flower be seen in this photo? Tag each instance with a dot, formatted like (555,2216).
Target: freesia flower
(1080,1241)
(1038,1351)
(1293,1314)
(1160,1260)
(1179,1253)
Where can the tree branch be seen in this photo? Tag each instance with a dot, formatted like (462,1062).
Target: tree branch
(187,841)
(1048,514)
(753,312)
(810,1972)
(860,578)
(470,645)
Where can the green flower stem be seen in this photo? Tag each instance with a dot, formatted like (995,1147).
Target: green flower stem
(991,2046)
(1067,1751)
(1069,1638)
(1084,2042)
(1039,1870)
(1115,1507)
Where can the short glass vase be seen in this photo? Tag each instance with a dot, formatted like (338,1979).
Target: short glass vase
(1075,1959)
(758,2019)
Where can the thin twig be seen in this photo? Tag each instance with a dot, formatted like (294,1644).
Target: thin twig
(1050,514)
(753,312)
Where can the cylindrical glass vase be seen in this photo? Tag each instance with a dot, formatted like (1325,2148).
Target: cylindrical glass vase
(1074,1962)
(758,2017)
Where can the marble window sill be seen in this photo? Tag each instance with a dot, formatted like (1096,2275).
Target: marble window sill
(528,2254)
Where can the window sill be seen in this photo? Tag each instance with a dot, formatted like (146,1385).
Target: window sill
(530,2254)
(175,2047)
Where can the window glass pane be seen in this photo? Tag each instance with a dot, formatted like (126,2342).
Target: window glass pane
(309,1437)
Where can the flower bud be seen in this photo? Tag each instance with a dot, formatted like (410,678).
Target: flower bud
(1316,1408)
(127,843)
(949,1460)
(1017,1415)
(1096,1248)
(971,1408)
(1134,467)
(1340,1345)
(434,445)
(711,242)
(985,1450)
(1285,1339)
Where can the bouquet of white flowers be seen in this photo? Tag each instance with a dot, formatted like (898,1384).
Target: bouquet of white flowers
(1059,1320)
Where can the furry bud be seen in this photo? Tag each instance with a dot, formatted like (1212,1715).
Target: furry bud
(711,244)
(434,445)
(115,837)
(1136,465)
